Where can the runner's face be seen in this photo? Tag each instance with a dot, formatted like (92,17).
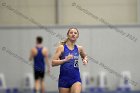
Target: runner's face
(73,34)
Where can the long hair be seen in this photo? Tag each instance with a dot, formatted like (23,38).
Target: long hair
(64,41)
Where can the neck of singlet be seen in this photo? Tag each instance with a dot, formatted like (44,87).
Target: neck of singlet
(67,45)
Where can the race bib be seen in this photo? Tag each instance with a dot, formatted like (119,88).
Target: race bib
(76,63)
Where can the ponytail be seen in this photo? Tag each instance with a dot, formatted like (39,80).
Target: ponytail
(64,41)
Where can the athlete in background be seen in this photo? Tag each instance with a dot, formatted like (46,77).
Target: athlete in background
(40,56)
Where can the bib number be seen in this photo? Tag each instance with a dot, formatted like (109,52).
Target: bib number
(76,63)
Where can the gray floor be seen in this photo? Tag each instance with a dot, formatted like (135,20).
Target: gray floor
(11,91)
